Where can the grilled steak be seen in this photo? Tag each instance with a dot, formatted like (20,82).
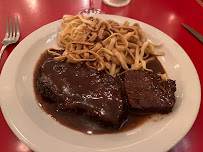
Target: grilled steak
(82,89)
(147,93)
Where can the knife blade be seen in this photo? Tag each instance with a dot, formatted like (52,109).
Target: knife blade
(195,33)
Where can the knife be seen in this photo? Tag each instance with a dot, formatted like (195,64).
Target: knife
(195,33)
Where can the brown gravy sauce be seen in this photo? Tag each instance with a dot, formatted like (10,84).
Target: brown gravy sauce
(82,123)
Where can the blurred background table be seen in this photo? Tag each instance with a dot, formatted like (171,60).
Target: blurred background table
(165,15)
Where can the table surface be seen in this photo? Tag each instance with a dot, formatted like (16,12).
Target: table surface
(165,15)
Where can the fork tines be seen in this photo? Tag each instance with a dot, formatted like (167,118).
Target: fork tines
(14,27)
(12,33)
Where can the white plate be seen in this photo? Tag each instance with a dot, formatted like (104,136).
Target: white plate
(41,133)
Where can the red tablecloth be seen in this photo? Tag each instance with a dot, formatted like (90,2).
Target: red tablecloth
(163,14)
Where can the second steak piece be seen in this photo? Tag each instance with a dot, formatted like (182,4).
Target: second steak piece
(82,89)
(147,93)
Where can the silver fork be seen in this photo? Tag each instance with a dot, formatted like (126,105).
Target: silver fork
(12,33)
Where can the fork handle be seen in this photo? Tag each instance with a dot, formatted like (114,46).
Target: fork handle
(2,50)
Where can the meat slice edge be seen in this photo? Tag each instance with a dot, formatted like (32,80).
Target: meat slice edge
(147,93)
(82,89)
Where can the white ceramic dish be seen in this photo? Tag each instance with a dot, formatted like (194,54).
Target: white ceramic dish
(41,133)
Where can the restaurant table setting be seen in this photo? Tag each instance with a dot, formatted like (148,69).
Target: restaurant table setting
(29,27)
